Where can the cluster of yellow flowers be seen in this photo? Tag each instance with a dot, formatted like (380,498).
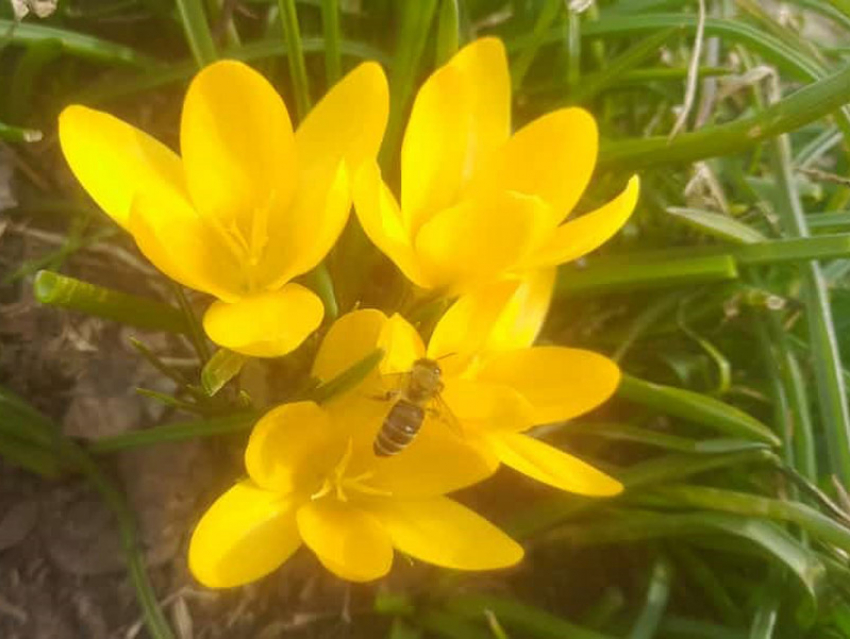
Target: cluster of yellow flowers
(249,205)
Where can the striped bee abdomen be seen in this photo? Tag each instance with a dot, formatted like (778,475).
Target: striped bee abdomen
(399,428)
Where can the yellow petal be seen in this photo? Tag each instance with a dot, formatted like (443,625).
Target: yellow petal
(181,245)
(351,338)
(301,236)
(349,542)
(435,146)
(464,329)
(265,324)
(113,161)
(552,157)
(442,532)
(588,232)
(522,317)
(246,534)
(380,217)
(292,448)
(484,406)
(237,145)
(552,466)
(348,122)
(485,67)
(401,345)
(560,383)
(461,113)
(502,316)
(479,240)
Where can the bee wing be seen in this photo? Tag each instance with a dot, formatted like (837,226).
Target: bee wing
(444,413)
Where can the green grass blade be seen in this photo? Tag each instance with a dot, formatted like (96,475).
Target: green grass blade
(552,512)
(444,624)
(111,89)
(332,35)
(825,529)
(718,225)
(823,247)
(657,596)
(696,407)
(527,620)
(416,22)
(448,30)
(77,295)
(600,277)
(685,628)
(812,102)
(27,70)
(832,395)
(545,17)
(35,459)
(193,325)
(295,56)
(629,526)
(176,432)
(9,133)
(73,43)
(197,30)
(592,84)
(637,434)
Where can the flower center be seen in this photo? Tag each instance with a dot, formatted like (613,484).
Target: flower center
(248,245)
(340,485)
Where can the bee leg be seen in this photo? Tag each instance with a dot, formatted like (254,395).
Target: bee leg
(384,397)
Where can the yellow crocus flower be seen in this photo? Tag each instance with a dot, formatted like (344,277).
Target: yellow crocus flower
(247,205)
(314,480)
(477,203)
(496,384)
(484,345)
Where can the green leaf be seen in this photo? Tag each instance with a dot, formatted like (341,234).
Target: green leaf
(9,133)
(635,525)
(223,366)
(592,84)
(657,596)
(27,70)
(77,295)
(812,102)
(331,30)
(448,27)
(347,379)
(178,431)
(602,276)
(696,407)
(527,620)
(630,433)
(831,392)
(74,43)
(825,529)
(197,30)
(717,225)
(551,512)
(295,56)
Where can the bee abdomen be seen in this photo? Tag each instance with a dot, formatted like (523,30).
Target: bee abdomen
(399,428)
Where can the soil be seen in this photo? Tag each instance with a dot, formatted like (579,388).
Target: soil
(62,570)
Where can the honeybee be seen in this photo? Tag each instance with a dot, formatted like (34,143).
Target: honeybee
(423,384)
